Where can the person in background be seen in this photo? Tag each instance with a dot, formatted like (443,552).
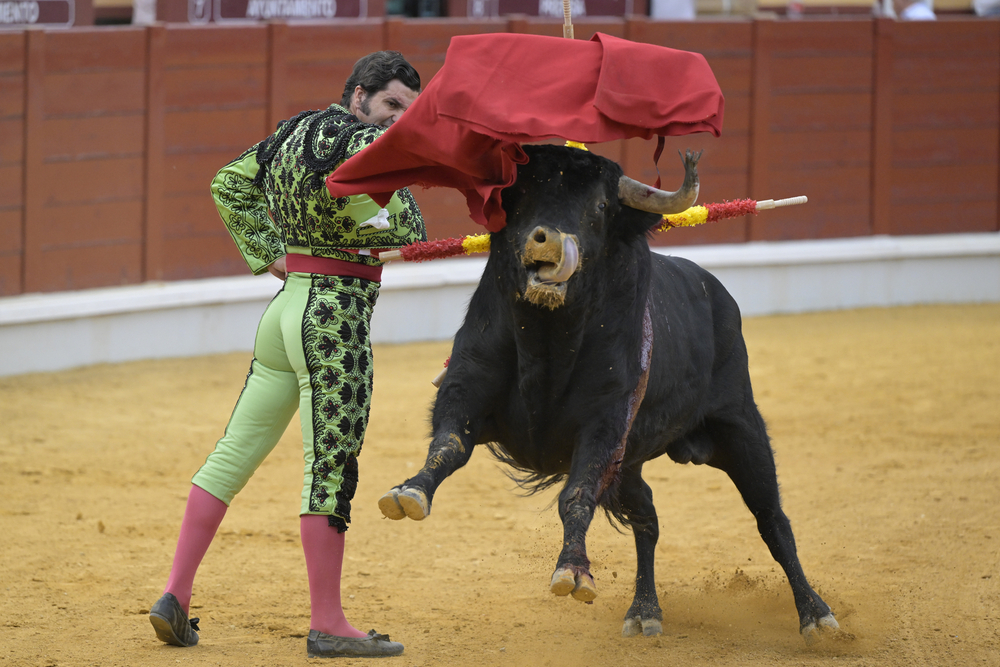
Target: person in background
(913,10)
(312,351)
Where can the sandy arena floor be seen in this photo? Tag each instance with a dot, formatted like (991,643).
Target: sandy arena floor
(886,428)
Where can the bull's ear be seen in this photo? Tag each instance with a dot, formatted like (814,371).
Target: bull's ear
(631,223)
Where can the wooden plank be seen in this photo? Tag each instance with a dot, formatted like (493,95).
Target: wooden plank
(850,73)
(315,72)
(733,74)
(821,113)
(883,133)
(308,43)
(839,204)
(35,185)
(92,181)
(94,136)
(826,186)
(11,94)
(955,183)
(82,226)
(12,52)
(445,213)
(947,38)
(424,41)
(192,216)
(195,46)
(945,110)
(721,156)
(940,218)
(813,150)
(930,73)
(10,275)
(11,234)
(11,143)
(226,130)
(919,147)
(277,74)
(736,117)
(90,49)
(205,257)
(87,93)
(824,38)
(242,85)
(844,219)
(313,85)
(12,187)
(13,49)
(732,38)
(154,154)
(87,268)
(759,159)
(192,173)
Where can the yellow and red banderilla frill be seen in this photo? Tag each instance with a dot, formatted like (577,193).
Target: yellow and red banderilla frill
(696,215)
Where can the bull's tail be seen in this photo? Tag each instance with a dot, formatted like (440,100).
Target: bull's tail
(529,481)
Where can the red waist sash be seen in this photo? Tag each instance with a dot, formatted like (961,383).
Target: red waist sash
(328,266)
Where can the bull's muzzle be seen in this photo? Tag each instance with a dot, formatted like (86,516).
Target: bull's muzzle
(551,258)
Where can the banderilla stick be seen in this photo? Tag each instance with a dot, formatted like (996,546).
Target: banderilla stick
(696,215)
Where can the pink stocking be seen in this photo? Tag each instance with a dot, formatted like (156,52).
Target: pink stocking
(202,517)
(324,549)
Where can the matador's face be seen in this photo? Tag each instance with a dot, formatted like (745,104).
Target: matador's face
(384,107)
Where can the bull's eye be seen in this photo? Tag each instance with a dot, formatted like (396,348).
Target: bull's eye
(603,205)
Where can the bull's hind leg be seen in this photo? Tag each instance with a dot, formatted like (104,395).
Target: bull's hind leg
(644,616)
(743,451)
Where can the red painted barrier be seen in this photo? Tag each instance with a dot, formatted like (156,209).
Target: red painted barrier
(109,137)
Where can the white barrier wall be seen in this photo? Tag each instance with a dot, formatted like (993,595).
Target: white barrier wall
(47,332)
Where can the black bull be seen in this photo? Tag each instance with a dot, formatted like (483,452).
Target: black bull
(586,377)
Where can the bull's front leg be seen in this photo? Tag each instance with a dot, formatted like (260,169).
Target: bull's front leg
(449,451)
(577,504)
(595,477)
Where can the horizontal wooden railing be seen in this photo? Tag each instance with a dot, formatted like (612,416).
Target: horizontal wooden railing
(109,137)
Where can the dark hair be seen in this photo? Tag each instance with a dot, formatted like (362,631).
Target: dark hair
(374,72)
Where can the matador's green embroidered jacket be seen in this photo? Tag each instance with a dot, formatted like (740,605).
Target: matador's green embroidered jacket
(306,219)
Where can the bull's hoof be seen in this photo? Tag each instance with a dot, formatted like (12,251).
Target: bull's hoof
(404,502)
(816,631)
(563,582)
(647,627)
(581,585)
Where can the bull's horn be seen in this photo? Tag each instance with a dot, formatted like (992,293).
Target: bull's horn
(634,194)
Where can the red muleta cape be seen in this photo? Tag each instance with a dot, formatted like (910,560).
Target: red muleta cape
(497,91)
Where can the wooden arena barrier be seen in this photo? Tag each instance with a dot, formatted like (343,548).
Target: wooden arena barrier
(109,136)
(936,126)
(12,87)
(85,118)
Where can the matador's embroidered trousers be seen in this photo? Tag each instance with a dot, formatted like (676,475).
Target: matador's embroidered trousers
(312,352)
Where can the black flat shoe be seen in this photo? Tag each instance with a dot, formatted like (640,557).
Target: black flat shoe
(171,623)
(321,645)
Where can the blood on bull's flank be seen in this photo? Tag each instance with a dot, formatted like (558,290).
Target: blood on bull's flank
(583,355)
